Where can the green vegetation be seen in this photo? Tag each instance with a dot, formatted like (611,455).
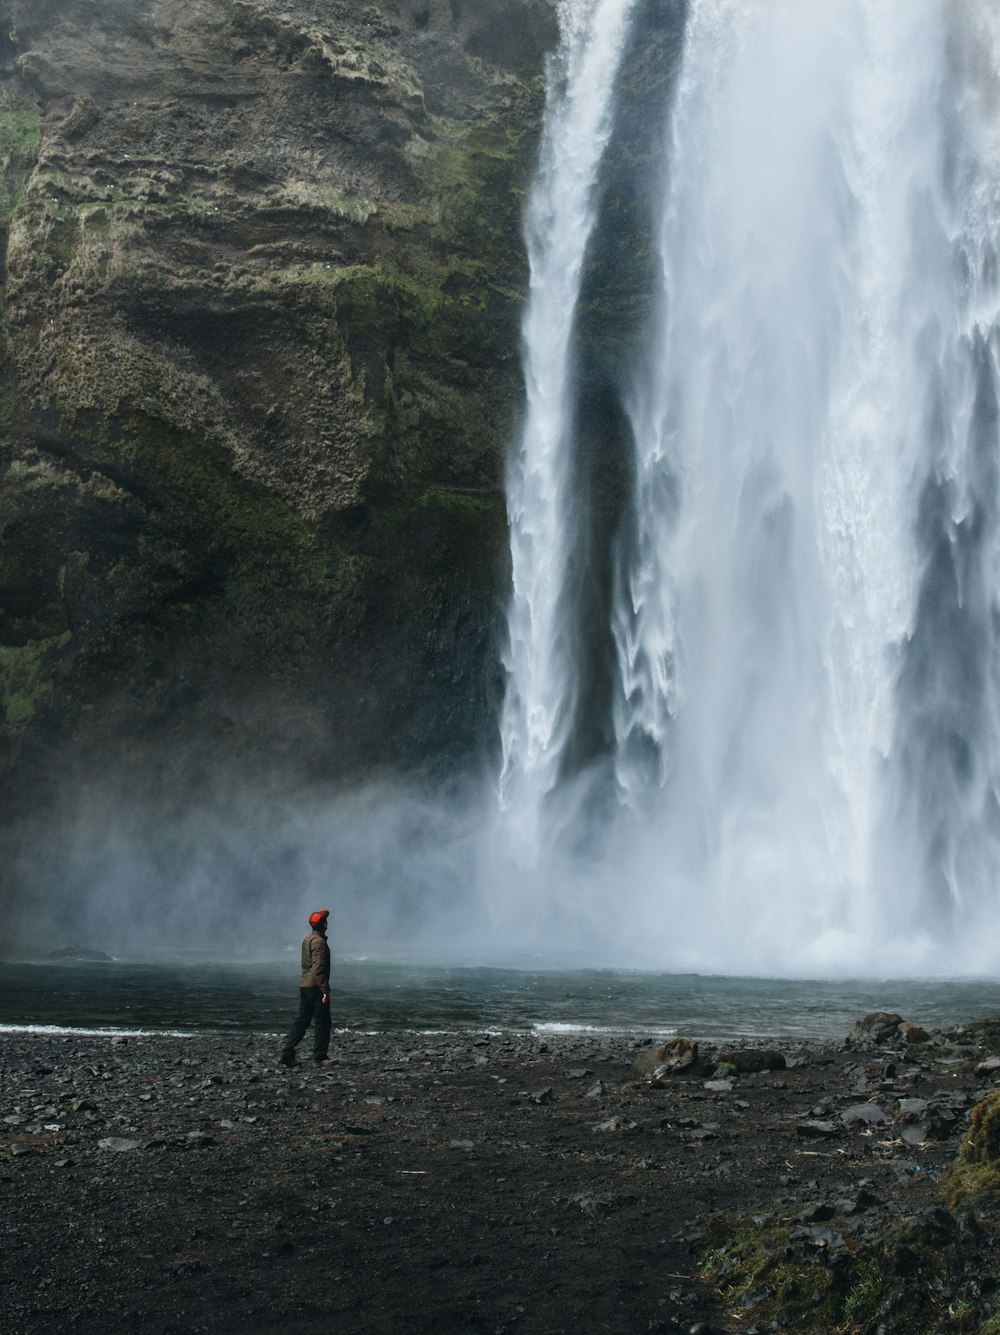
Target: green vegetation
(277,401)
(20,137)
(481,183)
(978,1167)
(833,1281)
(23,682)
(226,550)
(925,1274)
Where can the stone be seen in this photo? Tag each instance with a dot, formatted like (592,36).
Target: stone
(816,1128)
(865,1114)
(912,1107)
(817,1213)
(678,1054)
(748,1060)
(617,1124)
(119,1144)
(288,434)
(939,1122)
(876,1027)
(911,1032)
(719,1086)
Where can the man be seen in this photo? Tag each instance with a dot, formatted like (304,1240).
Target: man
(314,993)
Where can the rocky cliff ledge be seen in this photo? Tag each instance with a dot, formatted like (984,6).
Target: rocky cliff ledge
(261,298)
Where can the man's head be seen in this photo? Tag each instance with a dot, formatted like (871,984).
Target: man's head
(318,920)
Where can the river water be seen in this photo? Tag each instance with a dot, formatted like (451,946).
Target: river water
(194,994)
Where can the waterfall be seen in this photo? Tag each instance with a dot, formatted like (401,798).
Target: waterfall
(542,656)
(803,764)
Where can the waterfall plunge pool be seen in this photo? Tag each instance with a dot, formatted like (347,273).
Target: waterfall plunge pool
(192,994)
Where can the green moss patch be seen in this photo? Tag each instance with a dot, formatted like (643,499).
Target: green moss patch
(841,1278)
(227,549)
(20,137)
(978,1167)
(24,683)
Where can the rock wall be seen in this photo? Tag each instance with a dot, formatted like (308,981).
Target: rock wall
(262,283)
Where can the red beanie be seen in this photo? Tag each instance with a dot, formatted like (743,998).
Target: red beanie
(319,917)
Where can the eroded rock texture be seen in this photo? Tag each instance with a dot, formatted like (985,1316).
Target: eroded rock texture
(261,299)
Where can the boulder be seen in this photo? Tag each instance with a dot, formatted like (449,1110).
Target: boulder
(911,1032)
(677,1054)
(876,1027)
(978,1167)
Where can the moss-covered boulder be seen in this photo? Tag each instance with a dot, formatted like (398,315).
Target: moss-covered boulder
(978,1167)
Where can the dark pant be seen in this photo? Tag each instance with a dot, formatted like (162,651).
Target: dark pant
(311,1009)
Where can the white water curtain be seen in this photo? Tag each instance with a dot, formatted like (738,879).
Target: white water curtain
(808,752)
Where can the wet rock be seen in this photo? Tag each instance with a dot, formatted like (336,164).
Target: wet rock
(939,1122)
(911,1032)
(748,1060)
(678,1054)
(909,1108)
(876,1027)
(817,1238)
(858,1204)
(865,1114)
(617,1124)
(817,1213)
(816,1128)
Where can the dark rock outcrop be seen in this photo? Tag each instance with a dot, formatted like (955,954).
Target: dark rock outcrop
(262,283)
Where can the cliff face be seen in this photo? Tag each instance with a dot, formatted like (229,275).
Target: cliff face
(261,300)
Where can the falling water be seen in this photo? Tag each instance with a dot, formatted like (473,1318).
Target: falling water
(806,736)
(543,640)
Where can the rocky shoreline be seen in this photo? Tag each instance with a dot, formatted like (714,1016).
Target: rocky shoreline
(499,1182)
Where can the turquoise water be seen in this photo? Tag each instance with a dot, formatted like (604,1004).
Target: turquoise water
(197,995)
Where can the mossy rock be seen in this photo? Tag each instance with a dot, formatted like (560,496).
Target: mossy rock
(678,1054)
(978,1167)
(914,1275)
(989,1036)
(20,137)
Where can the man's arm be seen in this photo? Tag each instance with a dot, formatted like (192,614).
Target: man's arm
(321,965)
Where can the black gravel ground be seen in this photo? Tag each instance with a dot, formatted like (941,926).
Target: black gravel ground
(439,1183)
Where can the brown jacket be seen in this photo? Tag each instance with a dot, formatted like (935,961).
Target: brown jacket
(315,962)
